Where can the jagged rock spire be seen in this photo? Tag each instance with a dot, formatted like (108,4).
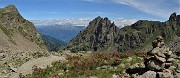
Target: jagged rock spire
(172,17)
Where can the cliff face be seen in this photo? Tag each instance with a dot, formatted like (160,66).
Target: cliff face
(17,32)
(101,34)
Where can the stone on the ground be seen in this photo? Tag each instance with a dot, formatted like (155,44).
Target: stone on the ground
(160,63)
(149,74)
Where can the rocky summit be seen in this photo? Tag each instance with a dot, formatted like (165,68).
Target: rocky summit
(16,32)
(99,34)
(161,62)
(102,35)
(19,41)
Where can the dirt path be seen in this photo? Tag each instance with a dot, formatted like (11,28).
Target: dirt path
(42,62)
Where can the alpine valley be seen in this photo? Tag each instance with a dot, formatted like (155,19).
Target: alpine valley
(145,49)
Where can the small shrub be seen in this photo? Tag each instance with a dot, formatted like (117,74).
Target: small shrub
(6,31)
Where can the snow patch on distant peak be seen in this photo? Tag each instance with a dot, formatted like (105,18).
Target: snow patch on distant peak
(120,22)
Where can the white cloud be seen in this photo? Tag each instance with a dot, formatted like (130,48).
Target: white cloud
(155,7)
(72,21)
(120,22)
(161,8)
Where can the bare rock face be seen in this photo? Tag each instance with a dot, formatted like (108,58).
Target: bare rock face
(160,63)
(99,34)
(149,74)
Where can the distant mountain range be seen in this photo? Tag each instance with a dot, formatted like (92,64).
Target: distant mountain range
(51,42)
(61,32)
(66,29)
(73,22)
(120,22)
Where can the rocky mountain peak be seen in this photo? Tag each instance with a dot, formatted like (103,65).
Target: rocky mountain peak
(10,8)
(13,24)
(99,34)
(99,21)
(172,17)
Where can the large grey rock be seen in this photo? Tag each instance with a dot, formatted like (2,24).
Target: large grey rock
(160,59)
(160,54)
(170,60)
(149,74)
(160,63)
(169,53)
(155,50)
(155,65)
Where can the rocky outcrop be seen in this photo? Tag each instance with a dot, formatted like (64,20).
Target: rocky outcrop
(19,41)
(160,63)
(101,34)
(17,32)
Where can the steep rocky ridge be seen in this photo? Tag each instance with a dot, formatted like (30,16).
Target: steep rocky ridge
(51,42)
(17,32)
(101,34)
(19,41)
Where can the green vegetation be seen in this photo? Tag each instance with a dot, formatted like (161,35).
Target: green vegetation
(101,65)
(6,31)
(21,29)
(1,15)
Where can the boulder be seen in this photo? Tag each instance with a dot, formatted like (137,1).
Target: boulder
(170,59)
(169,53)
(161,54)
(161,59)
(149,74)
(155,65)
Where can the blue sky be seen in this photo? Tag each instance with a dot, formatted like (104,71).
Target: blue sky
(128,9)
